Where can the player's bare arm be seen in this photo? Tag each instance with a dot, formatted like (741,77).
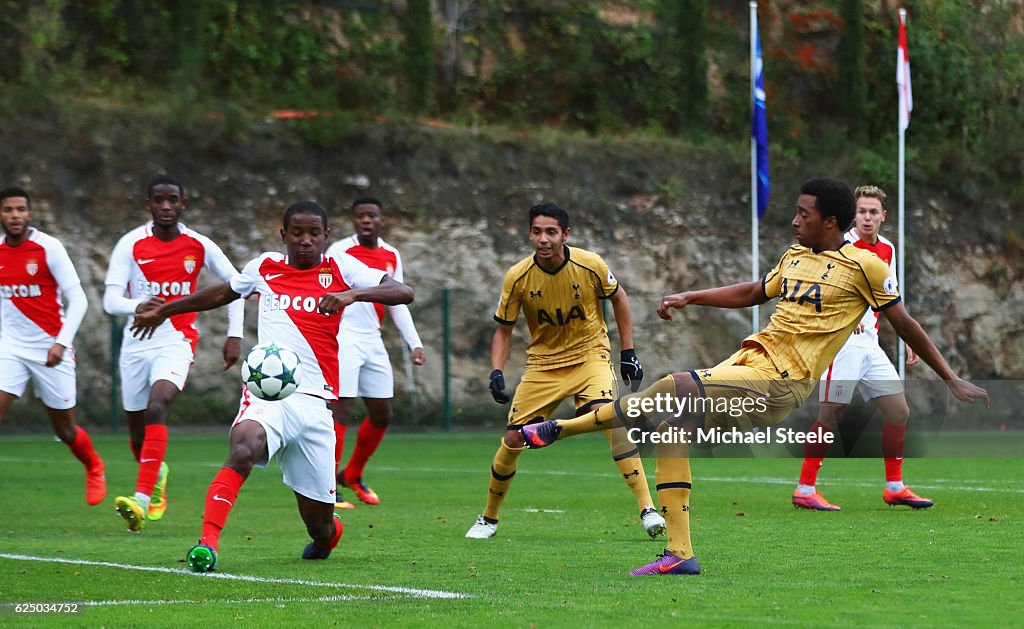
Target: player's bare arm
(231,352)
(388,292)
(149,315)
(911,331)
(741,295)
(623,318)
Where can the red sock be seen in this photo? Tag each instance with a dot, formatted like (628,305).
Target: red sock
(814,455)
(135,452)
(220,497)
(893,437)
(339,445)
(154,448)
(369,438)
(82,448)
(338,528)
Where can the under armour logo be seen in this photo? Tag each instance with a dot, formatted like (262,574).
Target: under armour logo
(496,493)
(705,374)
(794,263)
(633,473)
(534,294)
(607,393)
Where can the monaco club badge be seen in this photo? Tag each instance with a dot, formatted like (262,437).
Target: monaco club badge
(190,264)
(32,266)
(326,278)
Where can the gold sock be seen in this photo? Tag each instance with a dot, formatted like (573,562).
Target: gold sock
(503,468)
(673,480)
(631,466)
(607,417)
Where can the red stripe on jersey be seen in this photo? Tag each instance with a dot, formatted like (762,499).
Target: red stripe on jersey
(882,250)
(171,270)
(26,280)
(828,381)
(319,330)
(378,258)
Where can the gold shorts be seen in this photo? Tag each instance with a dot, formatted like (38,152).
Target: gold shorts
(541,391)
(747,390)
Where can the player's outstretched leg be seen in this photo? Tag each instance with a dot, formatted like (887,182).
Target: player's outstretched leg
(625,411)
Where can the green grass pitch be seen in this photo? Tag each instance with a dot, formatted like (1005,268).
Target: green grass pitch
(569,535)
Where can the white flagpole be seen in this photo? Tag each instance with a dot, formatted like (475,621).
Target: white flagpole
(755,315)
(900,259)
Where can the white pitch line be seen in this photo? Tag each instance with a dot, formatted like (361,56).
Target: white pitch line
(415,592)
(236,601)
(957,484)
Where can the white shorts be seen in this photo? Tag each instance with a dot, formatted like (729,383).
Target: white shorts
(55,386)
(140,370)
(364,367)
(861,366)
(300,433)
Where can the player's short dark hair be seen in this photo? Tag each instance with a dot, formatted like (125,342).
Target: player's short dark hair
(305,207)
(550,209)
(834,198)
(164,180)
(15,191)
(367,201)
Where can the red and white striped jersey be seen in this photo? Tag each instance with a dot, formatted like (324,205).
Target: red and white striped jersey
(885,250)
(288,314)
(365,317)
(33,278)
(144,266)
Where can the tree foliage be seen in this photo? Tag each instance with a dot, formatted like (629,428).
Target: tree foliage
(604,67)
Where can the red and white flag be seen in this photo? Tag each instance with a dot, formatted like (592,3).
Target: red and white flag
(903,75)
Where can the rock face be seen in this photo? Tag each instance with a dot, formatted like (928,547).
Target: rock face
(665,217)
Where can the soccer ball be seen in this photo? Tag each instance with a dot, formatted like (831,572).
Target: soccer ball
(271,372)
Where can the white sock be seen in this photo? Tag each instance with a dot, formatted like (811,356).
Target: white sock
(142,499)
(805,490)
(894,485)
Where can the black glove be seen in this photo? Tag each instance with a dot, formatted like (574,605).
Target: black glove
(629,367)
(497,386)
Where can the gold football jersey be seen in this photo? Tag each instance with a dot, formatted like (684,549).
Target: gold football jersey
(562,309)
(822,297)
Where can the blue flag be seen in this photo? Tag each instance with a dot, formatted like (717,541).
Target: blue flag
(759,130)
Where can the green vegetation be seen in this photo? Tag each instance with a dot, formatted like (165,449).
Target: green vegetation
(605,68)
(568,537)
